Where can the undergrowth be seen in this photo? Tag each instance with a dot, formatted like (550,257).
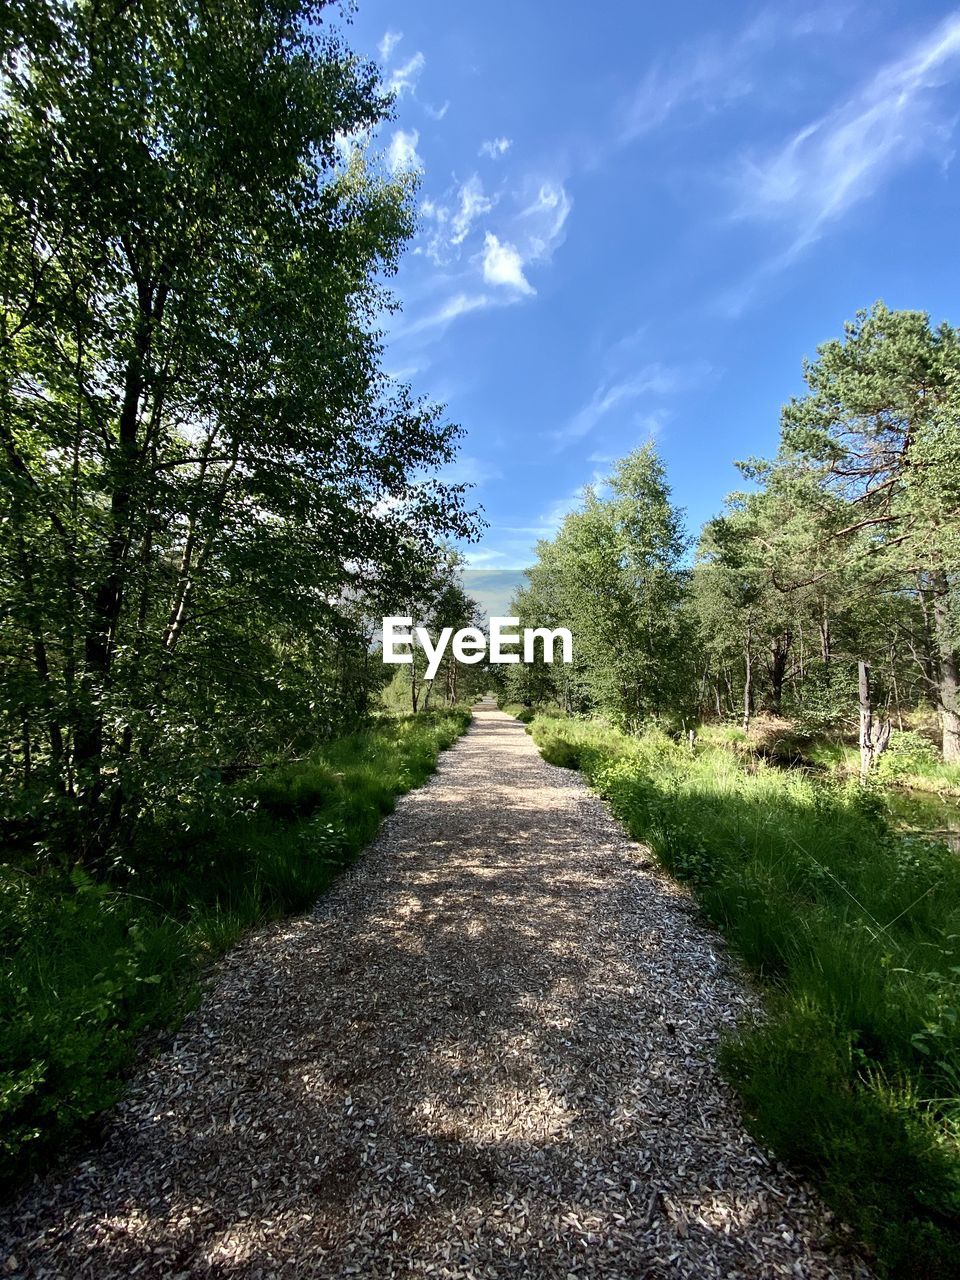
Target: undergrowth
(89,966)
(853,1074)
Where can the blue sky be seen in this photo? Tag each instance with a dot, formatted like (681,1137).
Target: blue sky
(636,220)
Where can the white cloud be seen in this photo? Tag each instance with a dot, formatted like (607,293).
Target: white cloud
(389,42)
(653,379)
(841,158)
(436,113)
(481,559)
(473,204)
(405,78)
(495,148)
(402,153)
(349,143)
(697,79)
(544,221)
(527,235)
(503,265)
(404,372)
(548,524)
(452,224)
(441,317)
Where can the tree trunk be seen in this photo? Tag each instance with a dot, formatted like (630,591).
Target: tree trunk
(702,695)
(748,681)
(948,685)
(896,690)
(826,643)
(414,688)
(873,738)
(929,661)
(778,667)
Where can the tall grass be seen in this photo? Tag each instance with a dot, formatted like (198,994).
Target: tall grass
(853,1075)
(89,967)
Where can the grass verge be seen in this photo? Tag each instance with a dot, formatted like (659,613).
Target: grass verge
(90,966)
(853,1075)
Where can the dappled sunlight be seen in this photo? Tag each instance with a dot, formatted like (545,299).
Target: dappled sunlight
(495,1035)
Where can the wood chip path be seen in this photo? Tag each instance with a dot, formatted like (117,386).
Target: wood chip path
(489,1052)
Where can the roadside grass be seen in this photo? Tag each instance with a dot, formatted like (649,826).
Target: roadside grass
(912,759)
(853,1074)
(519,711)
(526,714)
(91,968)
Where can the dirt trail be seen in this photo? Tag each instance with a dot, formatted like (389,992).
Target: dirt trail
(489,1052)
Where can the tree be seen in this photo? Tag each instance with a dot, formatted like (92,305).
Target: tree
(205,463)
(879,429)
(613,575)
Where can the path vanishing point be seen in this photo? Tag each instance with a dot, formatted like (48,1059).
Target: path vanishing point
(489,1052)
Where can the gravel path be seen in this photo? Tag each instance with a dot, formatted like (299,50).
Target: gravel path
(489,1052)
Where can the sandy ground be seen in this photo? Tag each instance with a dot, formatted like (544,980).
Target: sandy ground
(488,1052)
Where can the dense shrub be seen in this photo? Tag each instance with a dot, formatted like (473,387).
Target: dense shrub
(519,712)
(910,753)
(88,966)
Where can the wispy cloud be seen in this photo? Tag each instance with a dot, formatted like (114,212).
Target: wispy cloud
(717,71)
(480,559)
(642,392)
(436,113)
(528,235)
(709,78)
(387,45)
(503,265)
(467,469)
(349,143)
(459,305)
(545,220)
(402,152)
(451,223)
(473,205)
(435,322)
(652,380)
(404,79)
(550,520)
(841,158)
(495,148)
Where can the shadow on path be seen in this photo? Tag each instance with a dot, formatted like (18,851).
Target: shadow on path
(489,1052)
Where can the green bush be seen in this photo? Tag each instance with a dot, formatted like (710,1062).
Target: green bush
(89,967)
(909,753)
(853,1076)
(519,712)
(559,751)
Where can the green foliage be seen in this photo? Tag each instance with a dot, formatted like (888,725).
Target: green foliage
(519,711)
(90,966)
(210,485)
(909,753)
(613,576)
(853,1076)
(86,970)
(821,706)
